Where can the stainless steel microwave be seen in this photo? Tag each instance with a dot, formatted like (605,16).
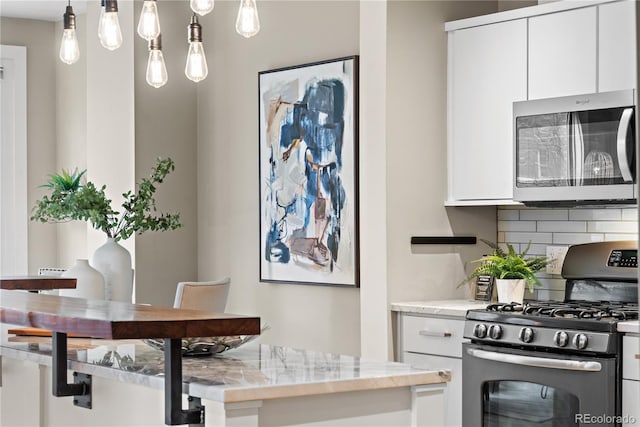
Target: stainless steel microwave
(575,149)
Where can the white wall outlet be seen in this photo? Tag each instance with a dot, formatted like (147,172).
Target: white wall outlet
(556,256)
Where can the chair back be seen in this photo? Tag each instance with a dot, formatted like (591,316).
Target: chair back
(207,296)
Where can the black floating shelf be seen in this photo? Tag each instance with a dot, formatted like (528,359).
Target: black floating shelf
(443,240)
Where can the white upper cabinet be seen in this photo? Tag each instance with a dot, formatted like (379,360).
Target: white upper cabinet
(487,73)
(617,46)
(562,53)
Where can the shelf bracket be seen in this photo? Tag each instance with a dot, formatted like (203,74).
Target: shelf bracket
(173,412)
(81,387)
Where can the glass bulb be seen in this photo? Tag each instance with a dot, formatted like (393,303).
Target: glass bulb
(202,7)
(196,68)
(248,23)
(110,34)
(100,23)
(156,69)
(69,50)
(149,23)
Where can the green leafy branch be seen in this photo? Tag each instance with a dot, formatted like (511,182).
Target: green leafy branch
(71,200)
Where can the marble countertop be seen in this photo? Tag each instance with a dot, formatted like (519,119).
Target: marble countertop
(455,307)
(631,326)
(251,372)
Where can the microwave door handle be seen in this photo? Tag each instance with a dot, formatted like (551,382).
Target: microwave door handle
(577,141)
(623,128)
(538,362)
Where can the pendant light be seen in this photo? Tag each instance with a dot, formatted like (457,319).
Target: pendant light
(247,22)
(69,50)
(149,23)
(202,7)
(100,20)
(156,68)
(196,68)
(109,27)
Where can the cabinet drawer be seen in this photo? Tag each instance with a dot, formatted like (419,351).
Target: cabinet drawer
(630,365)
(432,335)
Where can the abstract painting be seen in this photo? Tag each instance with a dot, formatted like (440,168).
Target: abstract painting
(308,173)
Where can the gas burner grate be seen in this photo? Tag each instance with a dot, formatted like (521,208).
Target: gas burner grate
(583,310)
(502,306)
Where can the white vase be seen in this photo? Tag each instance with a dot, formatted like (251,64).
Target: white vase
(510,290)
(90,283)
(114,262)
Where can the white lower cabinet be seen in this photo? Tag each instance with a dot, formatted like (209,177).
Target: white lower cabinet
(435,343)
(453,392)
(630,381)
(630,398)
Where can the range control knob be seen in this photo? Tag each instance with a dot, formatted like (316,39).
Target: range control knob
(480,330)
(561,339)
(580,341)
(526,335)
(495,332)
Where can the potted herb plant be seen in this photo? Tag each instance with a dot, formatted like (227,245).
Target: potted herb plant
(70,199)
(511,270)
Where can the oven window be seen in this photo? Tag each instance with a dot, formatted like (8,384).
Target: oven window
(524,404)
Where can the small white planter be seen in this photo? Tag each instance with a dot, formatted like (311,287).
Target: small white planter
(89,285)
(510,290)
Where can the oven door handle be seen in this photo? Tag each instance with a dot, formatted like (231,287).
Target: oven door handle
(539,362)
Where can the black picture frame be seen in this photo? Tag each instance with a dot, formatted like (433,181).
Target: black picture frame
(308,173)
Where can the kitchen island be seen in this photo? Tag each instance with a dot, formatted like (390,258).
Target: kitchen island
(254,385)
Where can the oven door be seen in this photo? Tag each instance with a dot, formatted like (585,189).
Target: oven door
(511,387)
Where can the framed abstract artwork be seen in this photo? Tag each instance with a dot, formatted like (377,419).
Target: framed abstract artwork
(309,173)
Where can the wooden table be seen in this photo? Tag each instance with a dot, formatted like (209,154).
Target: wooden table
(120,320)
(37,283)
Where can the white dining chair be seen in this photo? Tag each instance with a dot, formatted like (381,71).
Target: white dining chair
(208,296)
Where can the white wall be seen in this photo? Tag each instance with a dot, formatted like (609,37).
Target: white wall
(515,4)
(313,317)
(416,155)
(38,37)
(165,126)
(374,319)
(71,138)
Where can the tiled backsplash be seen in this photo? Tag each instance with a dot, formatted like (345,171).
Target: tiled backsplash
(563,226)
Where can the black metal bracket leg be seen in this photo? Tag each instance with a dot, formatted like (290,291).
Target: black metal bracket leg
(81,387)
(173,412)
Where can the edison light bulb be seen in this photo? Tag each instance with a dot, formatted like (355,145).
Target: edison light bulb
(109,26)
(202,7)
(149,24)
(196,68)
(100,20)
(156,68)
(248,23)
(69,50)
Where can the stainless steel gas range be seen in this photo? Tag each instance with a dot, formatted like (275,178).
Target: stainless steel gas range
(554,363)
